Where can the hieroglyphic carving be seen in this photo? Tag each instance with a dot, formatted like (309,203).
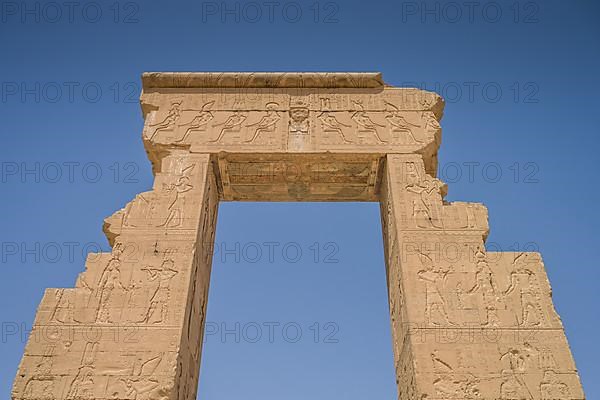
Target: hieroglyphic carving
(459,306)
(431,124)
(168,123)
(364,122)
(299,112)
(267,124)
(525,287)
(63,308)
(110,280)
(451,385)
(505,365)
(344,141)
(83,385)
(299,125)
(553,388)
(331,125)
(142,383)
(161,208)
(405,375)
(199,122)
(485,284)
(399,125)
(41,384)
(426,203)
(157,309)
(175,191)
(434,279)
(233,124)
(515,365)
(201,271)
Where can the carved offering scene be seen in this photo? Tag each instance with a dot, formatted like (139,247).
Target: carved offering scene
(466,323)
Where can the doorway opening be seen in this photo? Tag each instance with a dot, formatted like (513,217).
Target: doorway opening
(297,304)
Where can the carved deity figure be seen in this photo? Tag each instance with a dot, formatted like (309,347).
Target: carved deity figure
(399,124)
(365,123)
(157,309)
(175,192)
(486,285)
(299,120)
(436,312)
(110,279)
(426,205)
(524,285)
(199,121)
(231,124)
(82,386)
(329,123)
(267,123)
(170,120)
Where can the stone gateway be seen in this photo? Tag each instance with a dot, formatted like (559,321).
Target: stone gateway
(466,323)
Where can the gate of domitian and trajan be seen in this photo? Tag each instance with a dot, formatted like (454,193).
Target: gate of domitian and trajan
(466,323)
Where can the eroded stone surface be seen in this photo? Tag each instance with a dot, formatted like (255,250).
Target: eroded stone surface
(466,323)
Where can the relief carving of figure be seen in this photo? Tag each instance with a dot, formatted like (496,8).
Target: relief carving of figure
(453,387)
(426,206)
(63,310)
(176,191)
(267,123)
(143,384)
(325,103)
(110,279)
(431,123)
(170,120)
(399,124)
(41,384)
(156,311)
(299,120)
(139,211)
(198,123)
(231,124)
(434,278)
(553,388)
(513,384)
(471,219)
(524,286)
(82,386)
(512,388)
(365,123)
(485,284)
(449,384)
(329,123)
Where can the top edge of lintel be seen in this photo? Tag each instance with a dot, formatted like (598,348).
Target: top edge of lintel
(357,80)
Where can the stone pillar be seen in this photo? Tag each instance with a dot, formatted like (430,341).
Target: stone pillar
(132,327)
(466,324)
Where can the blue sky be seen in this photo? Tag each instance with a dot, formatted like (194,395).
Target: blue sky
(522,100)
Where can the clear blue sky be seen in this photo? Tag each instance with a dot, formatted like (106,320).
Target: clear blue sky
(522,85)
